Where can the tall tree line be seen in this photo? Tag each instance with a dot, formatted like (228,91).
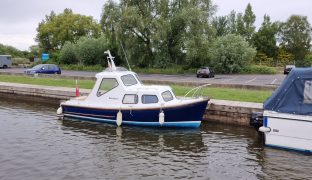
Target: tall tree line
(170,33)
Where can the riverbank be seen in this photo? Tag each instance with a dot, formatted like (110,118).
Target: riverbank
(253,82)
(223,93)
(222,111)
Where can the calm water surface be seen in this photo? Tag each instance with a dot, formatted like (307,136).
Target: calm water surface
(34,144)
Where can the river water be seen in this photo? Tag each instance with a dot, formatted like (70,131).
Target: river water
(35,144)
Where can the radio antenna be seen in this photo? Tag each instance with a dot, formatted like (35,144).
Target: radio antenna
(125,56)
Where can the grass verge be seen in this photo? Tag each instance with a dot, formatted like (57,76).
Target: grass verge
(233,94)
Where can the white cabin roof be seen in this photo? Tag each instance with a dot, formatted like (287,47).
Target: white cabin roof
(134,88)
(109,74)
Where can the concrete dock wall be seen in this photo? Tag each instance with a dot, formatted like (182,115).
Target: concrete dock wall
(231,112)
(221,111)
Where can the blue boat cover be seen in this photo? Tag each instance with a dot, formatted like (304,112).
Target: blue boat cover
(294,95)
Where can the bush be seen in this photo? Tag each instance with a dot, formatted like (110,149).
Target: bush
(284,58)
(256,69)
(77,67)
(173,70)
(263,60)
(17,61)
(230,53)
(67,54)
(91,51)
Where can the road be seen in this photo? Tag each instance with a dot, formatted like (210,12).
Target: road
(251,80)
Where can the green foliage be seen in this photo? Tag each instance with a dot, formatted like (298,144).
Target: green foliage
(9,50)
(284,58)
(249,19)
(77,67)
(171,70)
(91,51)
(263,60)
(296,37)
(87,51)
(17,61)
(159,33)
(35,52)
(55,30)
(67,54)
(221,25)
(308,60)
(244,23)
(231,20)
(257,69)
(231,53)
(264,40)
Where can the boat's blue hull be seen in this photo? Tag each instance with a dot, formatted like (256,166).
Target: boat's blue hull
(186,116)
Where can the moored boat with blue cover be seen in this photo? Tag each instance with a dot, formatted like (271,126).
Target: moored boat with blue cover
(287,117)
(119,97)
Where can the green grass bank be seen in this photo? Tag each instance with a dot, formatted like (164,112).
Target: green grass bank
(233,94)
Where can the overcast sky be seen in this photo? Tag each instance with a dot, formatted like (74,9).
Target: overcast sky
(19,18)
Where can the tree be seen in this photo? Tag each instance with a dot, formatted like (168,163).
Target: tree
(221,25)
(232,22)
(159,33)
(249,20)
(264,40)
(295,35)
(245,23)
(284,57)
(231,53)
(109,24)
(308,60)
(55,30)
(10,50)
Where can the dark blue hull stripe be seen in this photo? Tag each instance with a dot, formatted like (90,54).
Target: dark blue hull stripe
(289,148)
(186,124)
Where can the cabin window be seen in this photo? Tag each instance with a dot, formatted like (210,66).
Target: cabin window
(128,80)
(130,99)
(167,96)
(138,78)
(307,93)
(107,84)
(148,99)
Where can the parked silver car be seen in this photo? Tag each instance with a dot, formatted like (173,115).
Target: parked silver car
(205,72)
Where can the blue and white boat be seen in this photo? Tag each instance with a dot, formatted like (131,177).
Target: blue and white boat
(119,97)
(287,117)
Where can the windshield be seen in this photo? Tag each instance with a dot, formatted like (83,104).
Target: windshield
(128,80)
(38,66)
(138,78)
(167,96)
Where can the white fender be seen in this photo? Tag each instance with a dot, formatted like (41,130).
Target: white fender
(264,129)
(161,118)
(59,111)
(119,118)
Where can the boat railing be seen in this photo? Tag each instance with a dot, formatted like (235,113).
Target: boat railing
(196,91)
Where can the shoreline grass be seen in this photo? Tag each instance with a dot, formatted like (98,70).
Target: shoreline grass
(245,95)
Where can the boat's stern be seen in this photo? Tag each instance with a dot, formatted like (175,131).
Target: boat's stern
(287,131)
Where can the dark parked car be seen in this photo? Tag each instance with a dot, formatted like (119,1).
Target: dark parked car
(45,69)
(288,68)
(205,72)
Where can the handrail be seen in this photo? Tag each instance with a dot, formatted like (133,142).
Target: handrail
(196,89)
